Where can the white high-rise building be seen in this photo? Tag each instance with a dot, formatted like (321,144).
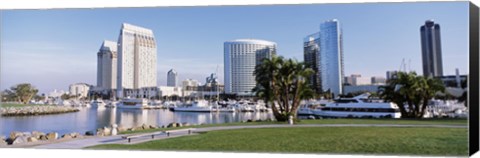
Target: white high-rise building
(79,90)
(240,58)
(137,61)
(107,66)
(172,78)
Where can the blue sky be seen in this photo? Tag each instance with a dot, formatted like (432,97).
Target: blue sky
(54,48)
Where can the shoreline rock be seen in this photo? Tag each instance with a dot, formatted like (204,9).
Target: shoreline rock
(36,110)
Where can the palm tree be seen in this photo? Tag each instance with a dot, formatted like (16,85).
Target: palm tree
(283,84)
(411,93)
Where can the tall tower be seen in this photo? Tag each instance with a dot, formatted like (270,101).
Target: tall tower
(172,78)
(137,61)
(431,49)
(330,58)
(311,49)
(240,58)
(107,66)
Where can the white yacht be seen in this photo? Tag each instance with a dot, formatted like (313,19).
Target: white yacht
(308,107)
(133,103)
(97,103)
(195,106)
(359,106)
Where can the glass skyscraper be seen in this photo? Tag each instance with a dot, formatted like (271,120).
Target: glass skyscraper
(330,58)
(240,58)
(431,49)
(311,49)
(172,78)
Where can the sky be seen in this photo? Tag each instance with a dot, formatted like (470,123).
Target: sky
(53,48)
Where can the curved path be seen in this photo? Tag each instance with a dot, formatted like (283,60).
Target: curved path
(91,141)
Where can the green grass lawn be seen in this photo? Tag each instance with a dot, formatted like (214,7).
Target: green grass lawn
(342,140)
(328,121)
(18,105)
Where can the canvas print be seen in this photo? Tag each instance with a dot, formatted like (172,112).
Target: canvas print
(366,78)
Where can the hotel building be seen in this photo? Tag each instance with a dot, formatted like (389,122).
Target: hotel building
(240,58)
(137,62)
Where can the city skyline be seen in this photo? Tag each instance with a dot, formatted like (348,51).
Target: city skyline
(48,48)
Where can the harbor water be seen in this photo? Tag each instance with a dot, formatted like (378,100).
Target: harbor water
(89,119)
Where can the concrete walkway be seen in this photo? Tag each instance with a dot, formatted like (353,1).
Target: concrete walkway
(91,141)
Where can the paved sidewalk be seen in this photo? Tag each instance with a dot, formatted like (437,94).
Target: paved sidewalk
(82,143)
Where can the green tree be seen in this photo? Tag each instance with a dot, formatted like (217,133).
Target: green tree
(24,92)
(282,83)
(411,93)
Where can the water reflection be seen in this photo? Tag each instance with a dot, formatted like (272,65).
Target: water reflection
(92,118)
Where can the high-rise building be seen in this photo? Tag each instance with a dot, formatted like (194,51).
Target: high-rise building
(172,78)
(310,53)
(330,58)
(431,49)
(240,58)
(391,75)
(137,61)
(107,66)
(378,80)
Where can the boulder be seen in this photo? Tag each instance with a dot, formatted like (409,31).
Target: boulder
(67,136)
(89,133)
(52,136)
(179,124)
(2,137)
(131,129)
(75,135)
(171,125)
(43,137)
(100,132)
(37,134)
(186,124)
(114,132)
(3,142)
(144,126)
(258,120)
(15,134)
(107,131)
(163,126)
(249,120)
(32,139)
(121,129)
(20,140)
(153,127)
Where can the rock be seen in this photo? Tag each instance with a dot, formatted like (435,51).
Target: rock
(171,125)
(131,129)
(186,124)
(75,134)
(163,126)
(28,134)
(20,140)
(3,142)
(179,124)
(89,133)
(249,120)
(107,131)
(32,139)
(121,129)
(100,132)
(144,126)
(153,127)
(43,137)
(311,117)
(114,132)
(52,136)
(37,134)
(15,134)
(67,136)
(2,137)
(258,120)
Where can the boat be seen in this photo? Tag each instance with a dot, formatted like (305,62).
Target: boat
(358,107)
(195,106)
(308,107)
(111,104)
(133,103)
(97,103)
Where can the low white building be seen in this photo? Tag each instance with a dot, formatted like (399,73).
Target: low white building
(170,91)
(79,90)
